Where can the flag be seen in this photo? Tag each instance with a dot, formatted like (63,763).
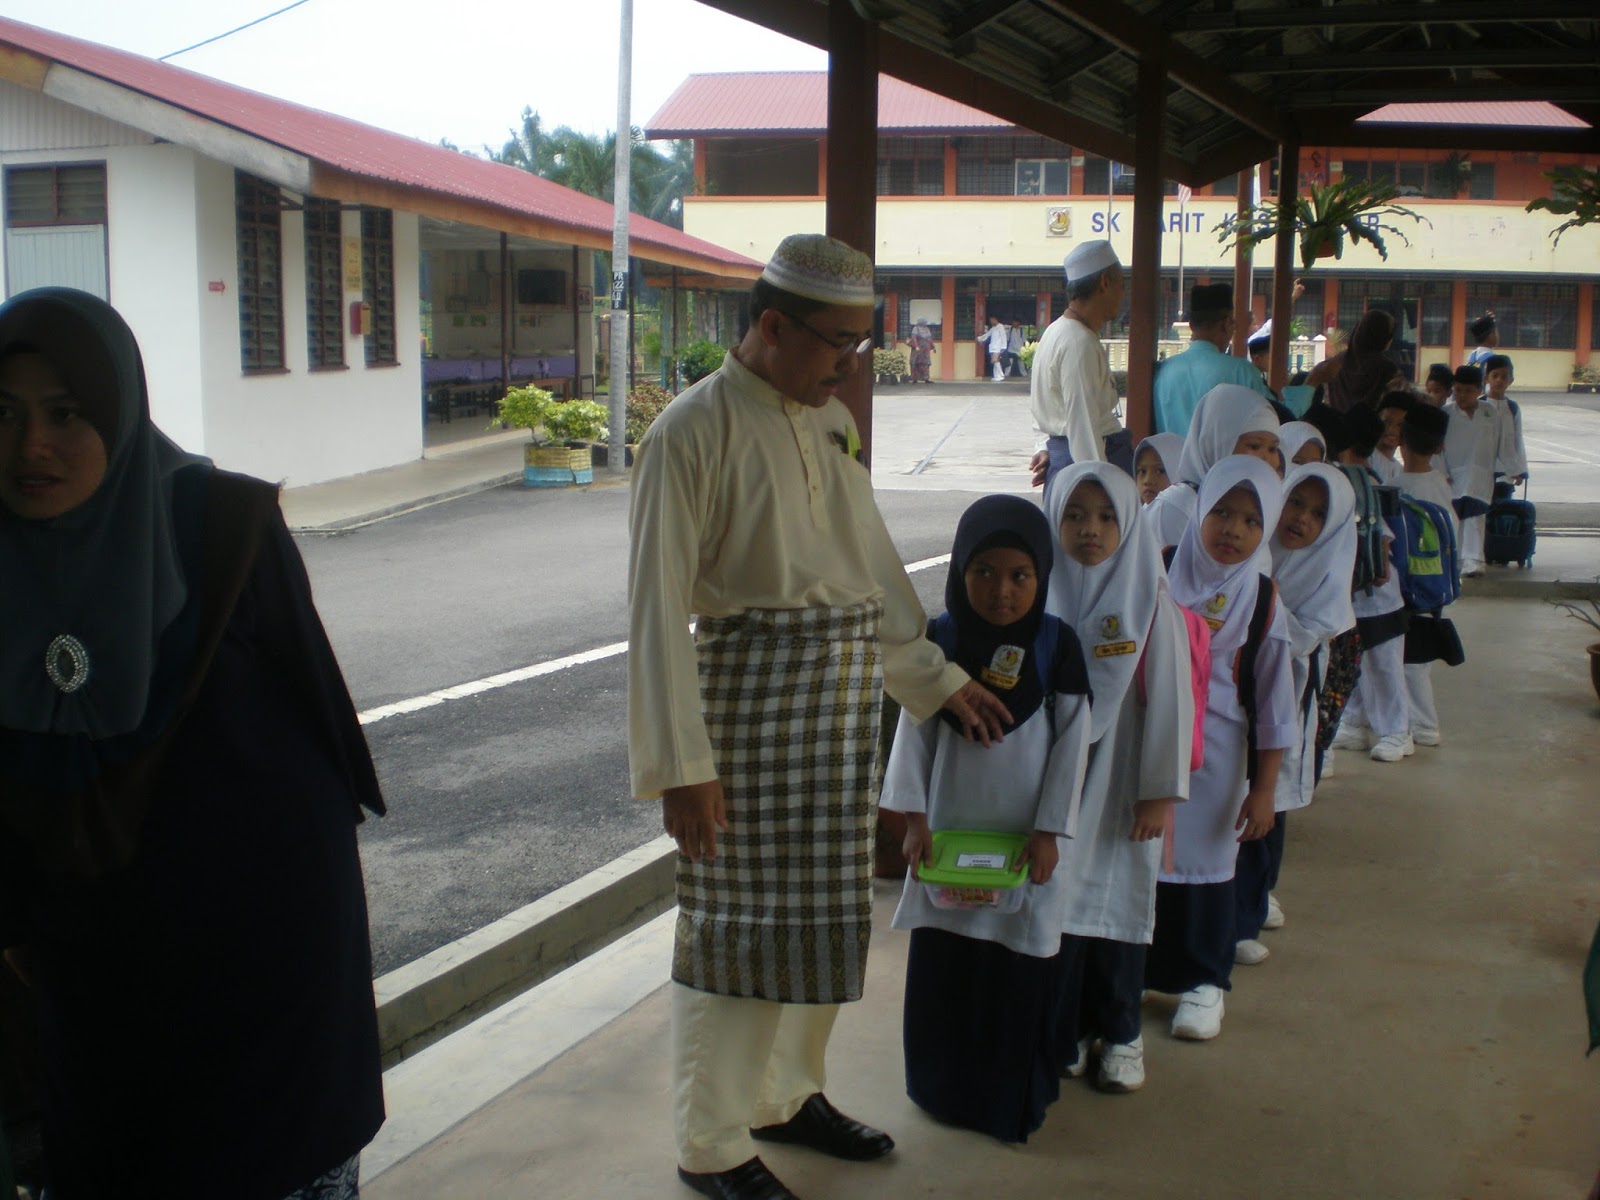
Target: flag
(1184,193)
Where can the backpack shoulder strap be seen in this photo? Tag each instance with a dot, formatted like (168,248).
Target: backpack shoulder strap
(1168,553)
(1244,667)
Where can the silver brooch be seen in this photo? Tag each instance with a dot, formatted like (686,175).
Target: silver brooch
(67,663)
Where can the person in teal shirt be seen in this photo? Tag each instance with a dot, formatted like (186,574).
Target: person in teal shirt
(1182,379)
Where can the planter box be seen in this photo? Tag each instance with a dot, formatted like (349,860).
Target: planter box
(1588,389)
(556,466)
(602,454)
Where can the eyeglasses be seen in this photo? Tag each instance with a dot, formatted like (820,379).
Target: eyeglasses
(841,350)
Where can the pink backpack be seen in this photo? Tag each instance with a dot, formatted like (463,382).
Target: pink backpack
(1199,680)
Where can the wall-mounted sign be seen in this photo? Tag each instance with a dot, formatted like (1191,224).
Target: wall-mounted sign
(1058,222)
(352,264)
(585,296)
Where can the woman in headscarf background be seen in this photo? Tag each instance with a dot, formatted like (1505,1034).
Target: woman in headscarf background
(1313,554)
(1109,586)
(1363,372)
(981,983)
(181,775)
(921,352)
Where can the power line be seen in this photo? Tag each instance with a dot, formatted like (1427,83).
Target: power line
(231,32)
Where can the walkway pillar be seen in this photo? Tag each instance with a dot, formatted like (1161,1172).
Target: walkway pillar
(1241,272)
(852,166)
(1283,248)
(1458,323)
(1582,348)
(1145,309)
(947,327)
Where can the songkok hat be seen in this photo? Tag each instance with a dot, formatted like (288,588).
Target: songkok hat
(1259,345)
(1426,419)
(1466,373)
(1482,327)
(1209,298)
(821,268)
(1495,362)
(1440,373)
(1088,259)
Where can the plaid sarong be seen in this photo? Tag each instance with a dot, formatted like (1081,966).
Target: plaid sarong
(785,912)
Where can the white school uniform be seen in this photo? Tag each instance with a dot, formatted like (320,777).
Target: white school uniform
(1387,469)
(1471,449)
(1513,457)
(1205,841)
(1032,780)
(1225,414)
(1314,589)
(1124,616)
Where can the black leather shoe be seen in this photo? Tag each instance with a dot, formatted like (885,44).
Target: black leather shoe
(823,1127)
(748,1181)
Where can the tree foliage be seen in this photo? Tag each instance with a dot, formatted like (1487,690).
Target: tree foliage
(1575,194)
(587,163)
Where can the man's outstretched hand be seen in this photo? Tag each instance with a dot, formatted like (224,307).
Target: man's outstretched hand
(692,814)
(983,718)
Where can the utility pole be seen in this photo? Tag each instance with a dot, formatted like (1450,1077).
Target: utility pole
(621,367)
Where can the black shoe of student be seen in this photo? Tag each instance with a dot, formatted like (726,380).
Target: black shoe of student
(823,1127)
(748,1181)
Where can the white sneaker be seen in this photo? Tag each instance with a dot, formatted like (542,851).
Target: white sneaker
(1392,747)
(1199,1015)
(1426,737)
(1327,764)
(1352,737)
(1121,1067)
(1250,953)
(1076,1070)
(1274,913)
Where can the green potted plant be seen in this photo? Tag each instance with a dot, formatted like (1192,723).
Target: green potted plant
(546,460)
(1360,210)
(890,366)
(1585,378)
(699,359)
(1579,601)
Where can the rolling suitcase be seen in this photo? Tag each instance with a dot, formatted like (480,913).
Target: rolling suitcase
(1508,528)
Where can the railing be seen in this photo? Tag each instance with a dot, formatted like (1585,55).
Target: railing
(1304,353)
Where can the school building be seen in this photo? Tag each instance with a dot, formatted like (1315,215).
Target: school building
(314,297)
(975,214)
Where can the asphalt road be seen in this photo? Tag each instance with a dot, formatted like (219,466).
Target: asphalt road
(499,798)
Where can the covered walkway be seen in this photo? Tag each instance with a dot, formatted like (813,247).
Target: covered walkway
(1418,1032)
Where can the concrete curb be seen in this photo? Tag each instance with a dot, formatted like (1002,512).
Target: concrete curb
(344,524)
(439,993)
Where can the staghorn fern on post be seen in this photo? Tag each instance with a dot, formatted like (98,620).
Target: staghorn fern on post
(1325,215)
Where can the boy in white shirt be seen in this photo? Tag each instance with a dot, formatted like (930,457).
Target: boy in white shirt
(1498,376)
(1421,437)
(1471,449)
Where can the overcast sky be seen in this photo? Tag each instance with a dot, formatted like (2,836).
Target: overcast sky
(461,70)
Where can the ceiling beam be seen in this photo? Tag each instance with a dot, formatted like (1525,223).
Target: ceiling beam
(1418,60)
(1129,31)
(974,19)
(1386,14)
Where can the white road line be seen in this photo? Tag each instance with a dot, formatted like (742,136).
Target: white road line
(1570,456)
(489,683)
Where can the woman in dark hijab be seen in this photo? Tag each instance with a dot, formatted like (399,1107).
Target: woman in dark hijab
(181,775)
(1363,372)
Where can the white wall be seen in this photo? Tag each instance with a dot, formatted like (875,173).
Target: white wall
(301,426)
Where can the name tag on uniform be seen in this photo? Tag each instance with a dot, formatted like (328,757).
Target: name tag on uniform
(1112,649)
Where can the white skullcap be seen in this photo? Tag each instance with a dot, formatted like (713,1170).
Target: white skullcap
(1089,259)
(821,268)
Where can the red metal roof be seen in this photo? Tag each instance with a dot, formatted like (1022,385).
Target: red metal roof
(1521,114)
(796,102)
(364,150)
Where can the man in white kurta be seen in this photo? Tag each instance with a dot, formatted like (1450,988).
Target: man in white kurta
(751,512)
(1071,395)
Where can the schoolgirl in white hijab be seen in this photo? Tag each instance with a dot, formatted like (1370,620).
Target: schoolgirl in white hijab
(1141,727)
(1226,416)
(1155,464)
(1313,554)
(1295,436)
(1217,572)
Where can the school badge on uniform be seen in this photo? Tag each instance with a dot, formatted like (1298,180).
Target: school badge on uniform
(1112,643)
(1213,611)
(1005,668)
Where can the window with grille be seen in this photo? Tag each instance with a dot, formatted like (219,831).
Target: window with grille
(377,283)
(258,213)
(56,195)
(324,284)
(911,166)
(988,166)
(1529,316)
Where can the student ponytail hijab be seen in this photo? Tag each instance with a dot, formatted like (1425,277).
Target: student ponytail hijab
(1225,594)
(990,523)
(1110,606)
(1313,582)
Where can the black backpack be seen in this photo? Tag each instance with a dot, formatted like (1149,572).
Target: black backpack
(1372,505)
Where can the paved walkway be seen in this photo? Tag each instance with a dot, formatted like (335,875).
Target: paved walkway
(1417,1033)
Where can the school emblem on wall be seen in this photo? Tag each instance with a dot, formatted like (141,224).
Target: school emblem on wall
(1005,668)
(1112,643)
(1058,222)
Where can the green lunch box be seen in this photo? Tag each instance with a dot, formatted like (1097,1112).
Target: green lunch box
(973,869)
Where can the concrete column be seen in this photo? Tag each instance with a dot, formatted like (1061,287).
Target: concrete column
(947,327)
(1144,324)
(851,162)
(1241,276)
(1283,258)
(1582,348)
(1458,322)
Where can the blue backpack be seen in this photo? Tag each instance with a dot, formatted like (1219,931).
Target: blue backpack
(1424,555)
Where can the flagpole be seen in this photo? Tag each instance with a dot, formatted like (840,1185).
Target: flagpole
(1183,225)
